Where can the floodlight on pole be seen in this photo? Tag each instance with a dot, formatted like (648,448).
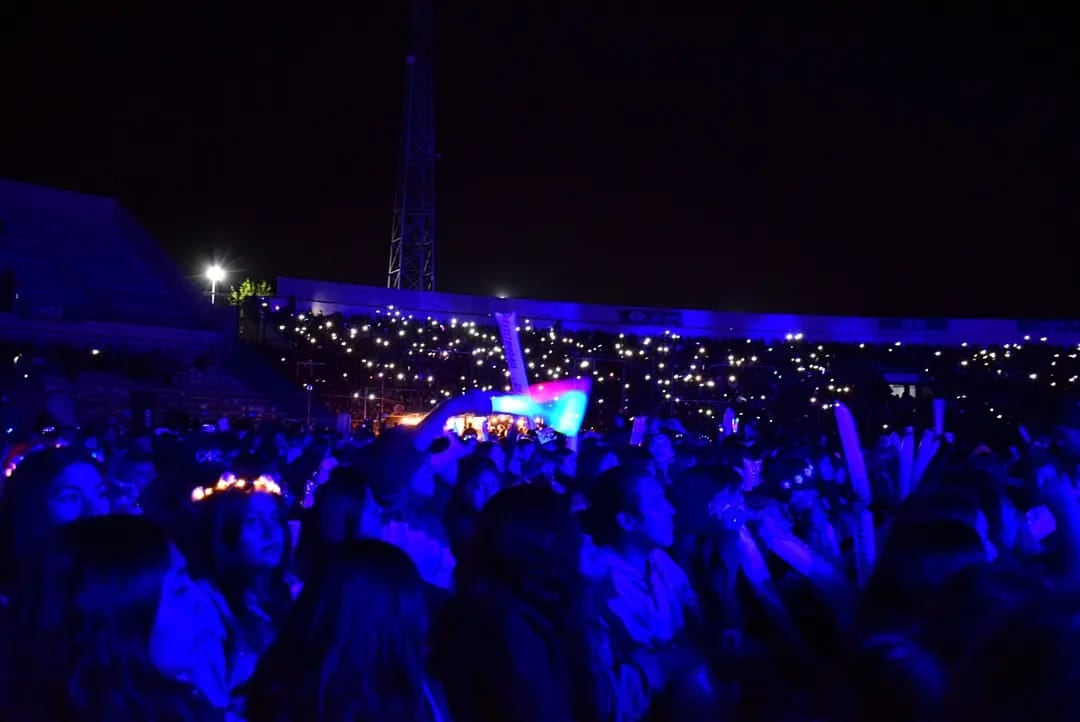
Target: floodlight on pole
(216,274)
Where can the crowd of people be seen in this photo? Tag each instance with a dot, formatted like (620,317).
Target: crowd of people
(815,548)
(390,355)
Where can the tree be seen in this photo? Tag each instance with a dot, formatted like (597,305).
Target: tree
(249,289)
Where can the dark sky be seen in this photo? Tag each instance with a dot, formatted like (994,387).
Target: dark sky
(911,164)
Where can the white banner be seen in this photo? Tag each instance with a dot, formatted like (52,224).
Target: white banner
(515,360)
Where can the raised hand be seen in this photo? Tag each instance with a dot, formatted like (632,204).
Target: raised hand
(928,449)
(865,541)
(751,561)
(907,463)
(1057,489)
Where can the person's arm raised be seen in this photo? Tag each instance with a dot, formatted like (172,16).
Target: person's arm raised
(433,425)
(1060,496)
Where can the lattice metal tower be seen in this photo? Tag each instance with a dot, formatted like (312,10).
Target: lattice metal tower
(412,239)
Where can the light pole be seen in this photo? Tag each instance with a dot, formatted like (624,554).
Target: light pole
(310,366)
(216,274)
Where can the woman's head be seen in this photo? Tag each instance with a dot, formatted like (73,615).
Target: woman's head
(528,544)
(478,481)
(242,534)
(365,593)
(48,488)
(526,539)
(62,483)
(628,506)
(116,601)
(1026,665)
(360,625)
(948,504)
(973,599)
(261,541)
(917,561)
(896,680)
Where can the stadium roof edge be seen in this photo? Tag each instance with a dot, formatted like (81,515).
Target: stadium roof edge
(54,200)
(332,297)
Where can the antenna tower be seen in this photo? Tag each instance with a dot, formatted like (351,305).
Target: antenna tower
(412,238)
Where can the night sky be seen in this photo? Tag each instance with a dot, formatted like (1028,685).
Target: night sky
(894,164)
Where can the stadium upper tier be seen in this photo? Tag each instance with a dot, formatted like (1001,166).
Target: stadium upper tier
(77,257)
(329,298)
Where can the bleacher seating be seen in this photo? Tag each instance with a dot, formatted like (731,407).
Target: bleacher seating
(91,280)
(80,257)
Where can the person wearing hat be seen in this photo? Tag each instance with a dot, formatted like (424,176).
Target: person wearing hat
(400,470)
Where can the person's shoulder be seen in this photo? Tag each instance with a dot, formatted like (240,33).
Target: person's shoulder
(673,575)
(667,566)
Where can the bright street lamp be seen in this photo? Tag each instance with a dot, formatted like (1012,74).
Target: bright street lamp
(216,274)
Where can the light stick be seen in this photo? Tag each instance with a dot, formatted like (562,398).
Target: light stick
(865,542)
(907,460)
(939,417)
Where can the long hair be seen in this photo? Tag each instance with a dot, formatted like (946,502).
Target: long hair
(218,558)
(460,514)
(87,652)
(24,512)
(1024,665)
(895,679)
(352,649)
(528,543)
(470,470)
(916,562)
